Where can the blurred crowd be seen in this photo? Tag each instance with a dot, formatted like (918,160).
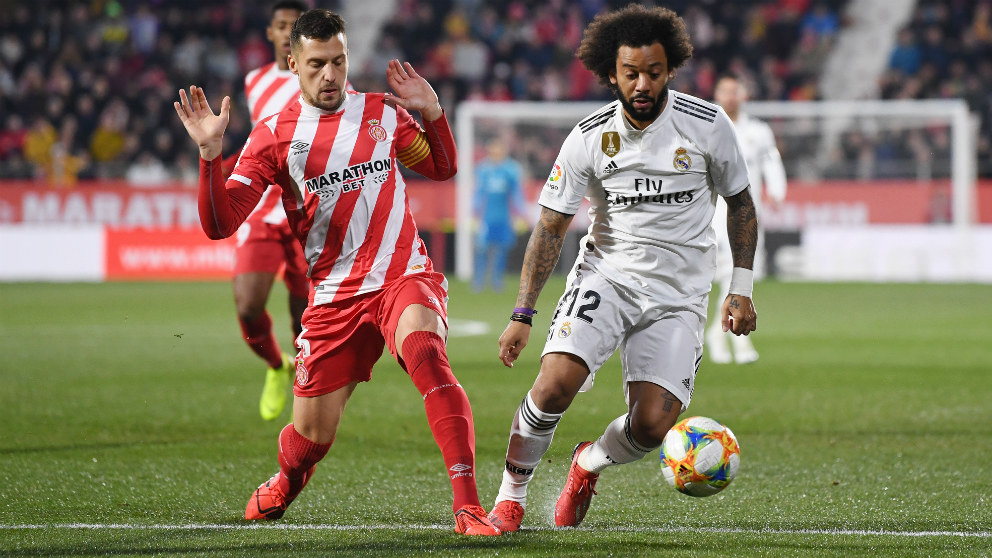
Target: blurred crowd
(86,88)
(946,52)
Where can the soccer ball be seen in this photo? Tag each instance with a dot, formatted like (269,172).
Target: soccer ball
(699,456)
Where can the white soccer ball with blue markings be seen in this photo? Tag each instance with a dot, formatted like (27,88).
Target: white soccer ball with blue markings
(700,456)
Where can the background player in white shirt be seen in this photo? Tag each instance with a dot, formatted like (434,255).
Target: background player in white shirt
(651,165)
(766,174)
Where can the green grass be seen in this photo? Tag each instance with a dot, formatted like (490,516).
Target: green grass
(866,429)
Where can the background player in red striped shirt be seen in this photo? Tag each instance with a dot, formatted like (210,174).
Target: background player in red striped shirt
(334,155)
(265,242)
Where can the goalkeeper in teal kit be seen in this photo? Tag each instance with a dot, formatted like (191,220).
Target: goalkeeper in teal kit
(498,197)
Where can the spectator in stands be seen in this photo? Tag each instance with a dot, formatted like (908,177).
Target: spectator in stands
(906,56)
(38,143)
(12,137)
(147,170)
(67,57)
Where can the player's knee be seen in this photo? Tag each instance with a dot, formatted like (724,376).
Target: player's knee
(649,429)
(551,397)
(248,310)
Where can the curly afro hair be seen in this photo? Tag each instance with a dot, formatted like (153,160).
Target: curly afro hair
(633,26)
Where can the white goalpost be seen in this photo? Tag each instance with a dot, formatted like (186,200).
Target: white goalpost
(862,142)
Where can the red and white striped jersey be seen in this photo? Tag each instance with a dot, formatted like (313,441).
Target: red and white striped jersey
(341,189)
(270,90)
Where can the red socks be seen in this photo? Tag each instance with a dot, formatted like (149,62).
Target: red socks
(448,411)
(258,334)
(297,458)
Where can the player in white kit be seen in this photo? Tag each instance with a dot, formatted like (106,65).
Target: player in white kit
(767,177)
(652,165)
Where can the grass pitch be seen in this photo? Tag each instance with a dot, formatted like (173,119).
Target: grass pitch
(129,426)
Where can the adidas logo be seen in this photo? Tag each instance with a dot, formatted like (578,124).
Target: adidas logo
(611,168)
(299,147)
(687,383)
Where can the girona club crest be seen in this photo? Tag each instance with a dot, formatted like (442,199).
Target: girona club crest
(376,130)
(302,374)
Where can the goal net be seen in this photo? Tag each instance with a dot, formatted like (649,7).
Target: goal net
(850,165)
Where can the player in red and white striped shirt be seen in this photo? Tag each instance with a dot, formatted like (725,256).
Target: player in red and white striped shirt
(265,242)
(335,157)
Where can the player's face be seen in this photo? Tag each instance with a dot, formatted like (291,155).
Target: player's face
(729,94)
(278,34)
(641,82)
(323,70)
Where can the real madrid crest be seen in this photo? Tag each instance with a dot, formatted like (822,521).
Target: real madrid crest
(611,143)
(566,330)
(682,161)
(376,130)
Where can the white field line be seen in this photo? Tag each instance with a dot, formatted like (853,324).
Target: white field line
(318,527)
(460,327)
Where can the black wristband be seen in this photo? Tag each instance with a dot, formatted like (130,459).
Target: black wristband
(522,318)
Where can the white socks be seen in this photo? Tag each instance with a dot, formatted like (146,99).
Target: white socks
(615,447)
(530,438)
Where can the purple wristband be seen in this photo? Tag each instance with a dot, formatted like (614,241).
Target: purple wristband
(525,311)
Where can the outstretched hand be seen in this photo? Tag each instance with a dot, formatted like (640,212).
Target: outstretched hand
(412,91)
(202,125)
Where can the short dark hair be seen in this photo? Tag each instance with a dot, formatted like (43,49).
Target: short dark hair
(633,26)
(289,5)
(315,24)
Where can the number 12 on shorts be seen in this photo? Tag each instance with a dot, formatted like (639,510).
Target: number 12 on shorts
(570,300)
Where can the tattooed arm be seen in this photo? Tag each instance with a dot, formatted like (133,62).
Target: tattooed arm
(737,313)
(742,227)
(543,250)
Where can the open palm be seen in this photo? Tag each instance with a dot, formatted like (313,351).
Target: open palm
(412,91)
(202,125)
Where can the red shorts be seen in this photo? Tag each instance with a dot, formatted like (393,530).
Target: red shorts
(267,248)
(342,341)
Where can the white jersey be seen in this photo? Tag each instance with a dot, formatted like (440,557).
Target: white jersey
(767,177)
(764,163)
(652,193)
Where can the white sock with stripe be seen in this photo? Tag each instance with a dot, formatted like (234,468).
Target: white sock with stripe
(530,438)
(615,447)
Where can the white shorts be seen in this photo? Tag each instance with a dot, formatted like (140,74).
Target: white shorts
(658,343)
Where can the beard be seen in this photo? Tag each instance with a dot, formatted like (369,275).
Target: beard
(642,115)
(329,105)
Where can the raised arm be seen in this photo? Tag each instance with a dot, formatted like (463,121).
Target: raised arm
(432,152)
(737,314)
(540,258)
(222,208)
